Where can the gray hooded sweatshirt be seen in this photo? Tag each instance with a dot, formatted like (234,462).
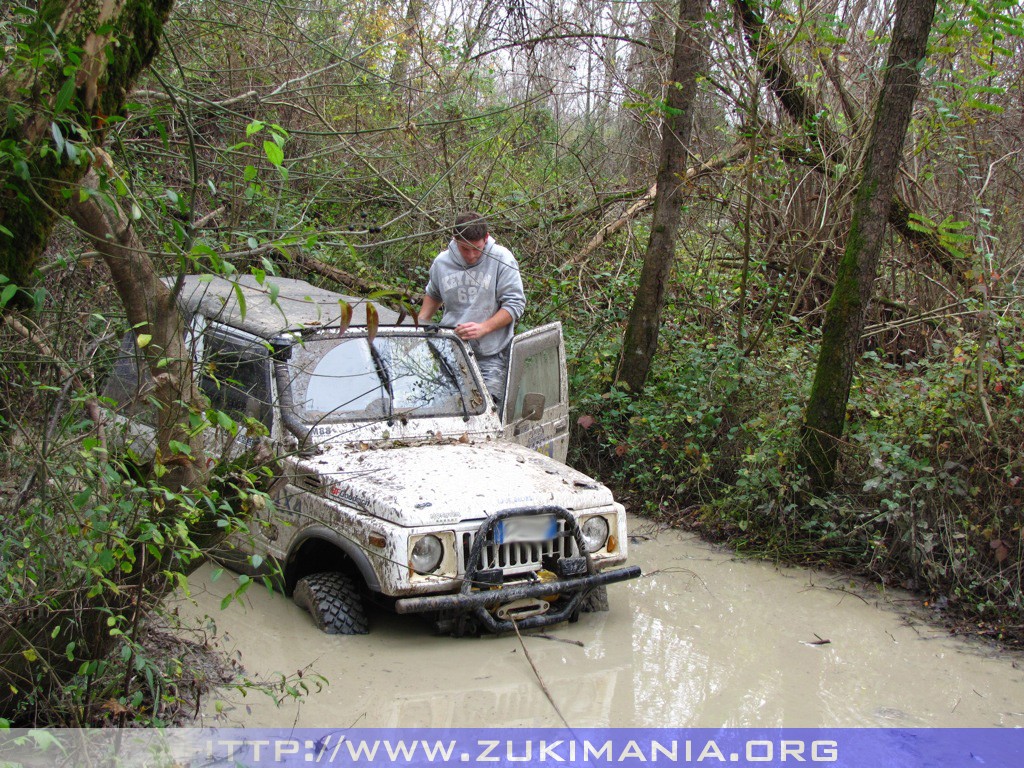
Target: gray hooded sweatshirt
(472,294)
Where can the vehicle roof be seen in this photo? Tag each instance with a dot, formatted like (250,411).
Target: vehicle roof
(298,304)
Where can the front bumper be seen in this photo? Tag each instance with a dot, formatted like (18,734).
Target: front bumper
(481,604)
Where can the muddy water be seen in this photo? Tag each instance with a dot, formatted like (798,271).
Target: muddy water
(702,640)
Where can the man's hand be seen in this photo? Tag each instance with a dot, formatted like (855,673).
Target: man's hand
(470,331)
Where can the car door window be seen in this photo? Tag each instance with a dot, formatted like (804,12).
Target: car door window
(541,373)
(236,378)
(537,365)
(129,383)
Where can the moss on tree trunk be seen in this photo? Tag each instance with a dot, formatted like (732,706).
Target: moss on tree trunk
(825,414)
(113,41)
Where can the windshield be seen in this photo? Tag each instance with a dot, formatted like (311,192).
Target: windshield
(348,379)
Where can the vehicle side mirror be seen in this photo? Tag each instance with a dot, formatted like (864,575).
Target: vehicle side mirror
(533,406)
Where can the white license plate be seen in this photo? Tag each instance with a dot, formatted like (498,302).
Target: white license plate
(535,528)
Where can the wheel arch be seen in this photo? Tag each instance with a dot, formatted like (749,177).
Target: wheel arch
(319,548)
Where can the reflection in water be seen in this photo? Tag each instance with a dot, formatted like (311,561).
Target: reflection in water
(702,640)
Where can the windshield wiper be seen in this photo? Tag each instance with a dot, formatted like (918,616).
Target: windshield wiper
(451,373)
(382,374)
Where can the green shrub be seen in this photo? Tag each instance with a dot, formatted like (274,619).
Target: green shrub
(929,495)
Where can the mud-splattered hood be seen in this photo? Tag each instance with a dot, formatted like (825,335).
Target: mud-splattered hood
(449,483)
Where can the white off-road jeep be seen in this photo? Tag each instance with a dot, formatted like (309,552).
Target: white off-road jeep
(400,481)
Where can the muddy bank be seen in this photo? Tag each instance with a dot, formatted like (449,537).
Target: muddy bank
(702,640)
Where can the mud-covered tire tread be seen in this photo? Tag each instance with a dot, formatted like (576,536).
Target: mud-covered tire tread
(596,601)
(334,602)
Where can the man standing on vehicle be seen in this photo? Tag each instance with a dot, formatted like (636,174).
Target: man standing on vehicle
(478,283)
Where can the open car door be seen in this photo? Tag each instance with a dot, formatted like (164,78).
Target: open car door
(537,367)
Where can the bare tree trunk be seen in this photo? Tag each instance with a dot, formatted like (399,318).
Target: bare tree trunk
(844,319)
(688,59)
(646,71)
(406,46)
(784,83)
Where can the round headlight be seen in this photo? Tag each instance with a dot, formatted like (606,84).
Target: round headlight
(595,532)
(426,554)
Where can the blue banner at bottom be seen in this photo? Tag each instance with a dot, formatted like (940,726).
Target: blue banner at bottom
(252,748)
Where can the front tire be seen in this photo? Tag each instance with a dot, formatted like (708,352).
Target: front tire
(596,601)
(334,602)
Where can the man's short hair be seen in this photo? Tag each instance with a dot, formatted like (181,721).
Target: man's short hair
(470,226)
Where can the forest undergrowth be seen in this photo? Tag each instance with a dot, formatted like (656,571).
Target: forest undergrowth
(80,522)
(930,492)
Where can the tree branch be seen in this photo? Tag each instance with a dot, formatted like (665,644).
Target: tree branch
(647,200)
(561,36)
(802,108)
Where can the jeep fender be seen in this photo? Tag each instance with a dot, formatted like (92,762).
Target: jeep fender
(350,548)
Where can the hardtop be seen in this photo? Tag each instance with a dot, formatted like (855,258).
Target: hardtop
(272,308)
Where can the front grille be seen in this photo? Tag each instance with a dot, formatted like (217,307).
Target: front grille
(518,557)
